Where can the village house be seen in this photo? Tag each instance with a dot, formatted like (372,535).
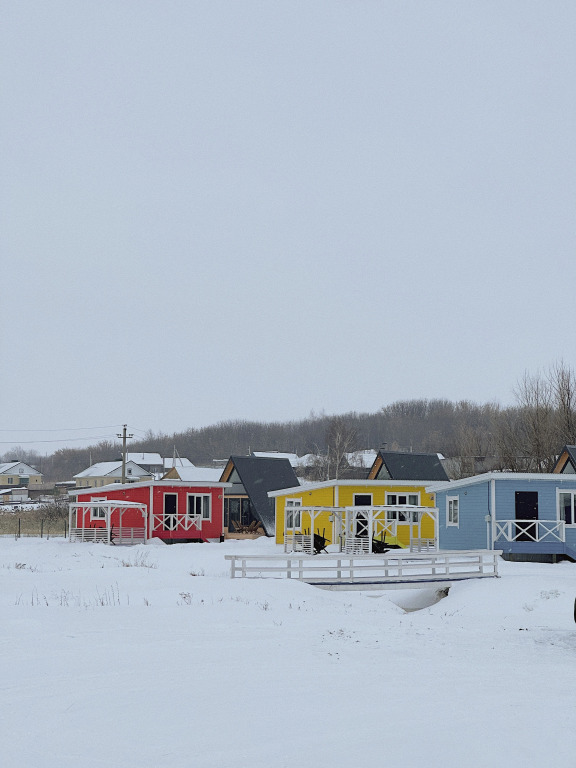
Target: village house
(106,472)
(528,516)
(18,473)
(172,510)
(354,514)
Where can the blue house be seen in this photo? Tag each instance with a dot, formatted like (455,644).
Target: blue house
(526,515)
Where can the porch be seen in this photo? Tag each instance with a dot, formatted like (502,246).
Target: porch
(101,520)
(362,529)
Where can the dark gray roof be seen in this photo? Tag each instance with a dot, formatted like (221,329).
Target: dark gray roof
(413,466)
(259,475)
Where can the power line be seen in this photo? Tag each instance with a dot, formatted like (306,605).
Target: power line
(64,429)
(63,440)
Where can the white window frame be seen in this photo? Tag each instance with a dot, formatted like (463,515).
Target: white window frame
(295,520)
(97,513)
(392,515)
(205,507)
(450,522)
(559,513)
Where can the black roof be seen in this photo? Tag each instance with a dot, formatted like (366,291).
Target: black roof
(260,474)
(413,466)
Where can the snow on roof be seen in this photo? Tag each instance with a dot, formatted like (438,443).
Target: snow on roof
(362,458)
(10,465)
(177,462)
(145,458)
(540,477)
(193,474)
(104,468)
(293,458)
(100,469)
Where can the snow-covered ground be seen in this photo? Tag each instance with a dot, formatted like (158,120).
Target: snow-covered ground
(152,657)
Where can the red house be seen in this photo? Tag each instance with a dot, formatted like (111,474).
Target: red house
(172,510)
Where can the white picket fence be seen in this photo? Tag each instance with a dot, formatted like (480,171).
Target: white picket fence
(335,571)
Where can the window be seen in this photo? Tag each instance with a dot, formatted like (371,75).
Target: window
(97,513)
(401,500)
(199,506)
(567,503)
(293,513)
(452,511)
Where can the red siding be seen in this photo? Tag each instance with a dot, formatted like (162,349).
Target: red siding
(210,529)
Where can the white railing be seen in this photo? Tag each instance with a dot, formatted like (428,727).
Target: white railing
(118,535)
(129,536)
(357,545)
(401,569)
(530,530)
(423,545)
(89,534)
(298,542)
(176,522)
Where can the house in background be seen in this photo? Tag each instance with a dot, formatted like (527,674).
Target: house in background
(354,512)
(246,502)
(172,510)
(18,473)
(106,472)
(16,495)
(566,464)
(398,465)
(193,474)
(528,516)
(152,463)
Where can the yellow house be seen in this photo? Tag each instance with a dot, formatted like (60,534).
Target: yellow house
(392,511)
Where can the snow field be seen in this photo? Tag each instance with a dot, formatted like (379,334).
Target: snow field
(149,657)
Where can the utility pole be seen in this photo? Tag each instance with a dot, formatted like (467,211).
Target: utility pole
(124,437)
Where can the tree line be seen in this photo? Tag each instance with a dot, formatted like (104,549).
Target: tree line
(526,436)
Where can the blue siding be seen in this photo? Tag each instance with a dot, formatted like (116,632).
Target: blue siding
(474,504)
(471,533)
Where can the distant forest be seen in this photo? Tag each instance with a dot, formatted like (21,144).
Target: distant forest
(525,437)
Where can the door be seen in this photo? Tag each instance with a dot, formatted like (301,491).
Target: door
(362,500)
(526,508)
(170,511)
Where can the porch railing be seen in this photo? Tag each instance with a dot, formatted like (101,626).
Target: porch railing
(298,542)
(176,522)
(357,545)
(119,535)
(530,530)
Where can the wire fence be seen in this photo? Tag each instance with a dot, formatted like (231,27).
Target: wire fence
(19,527)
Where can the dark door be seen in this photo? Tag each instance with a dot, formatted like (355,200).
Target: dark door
(170,519)
(526,508)
(362,500)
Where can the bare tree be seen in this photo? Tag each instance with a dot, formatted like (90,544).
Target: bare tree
(563,383)
(527,438)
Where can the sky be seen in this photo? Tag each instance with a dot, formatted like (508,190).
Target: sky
(253,210)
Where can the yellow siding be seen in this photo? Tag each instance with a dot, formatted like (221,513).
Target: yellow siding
(343,496)
(15,479)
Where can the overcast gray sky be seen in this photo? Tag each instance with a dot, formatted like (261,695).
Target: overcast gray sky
(215,210)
